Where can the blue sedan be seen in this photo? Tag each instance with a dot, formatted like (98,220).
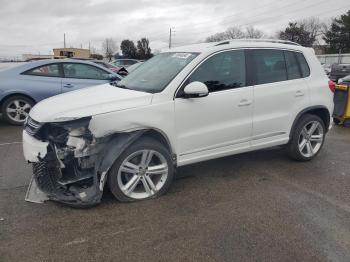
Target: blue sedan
(23,86)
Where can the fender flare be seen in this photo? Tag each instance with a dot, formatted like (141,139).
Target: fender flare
(304,111)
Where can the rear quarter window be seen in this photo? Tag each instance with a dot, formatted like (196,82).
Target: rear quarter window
(304,67)
(50,70)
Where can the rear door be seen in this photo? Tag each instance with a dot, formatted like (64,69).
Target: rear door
(280,92)
(79,75)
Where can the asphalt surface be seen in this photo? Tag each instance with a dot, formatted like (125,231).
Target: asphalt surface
(257,206)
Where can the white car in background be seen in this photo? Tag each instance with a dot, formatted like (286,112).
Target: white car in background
(183,106)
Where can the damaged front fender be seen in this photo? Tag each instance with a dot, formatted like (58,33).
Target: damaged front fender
(71,165)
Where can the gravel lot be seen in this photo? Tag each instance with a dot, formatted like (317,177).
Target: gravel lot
(257,206)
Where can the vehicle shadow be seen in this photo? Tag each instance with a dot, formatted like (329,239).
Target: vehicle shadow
(226,169)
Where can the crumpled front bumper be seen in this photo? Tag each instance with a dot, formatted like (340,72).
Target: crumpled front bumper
(74,176)
(48,182)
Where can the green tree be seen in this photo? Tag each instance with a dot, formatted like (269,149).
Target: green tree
(296,32)
(338,36)
(128,48)
(143,49)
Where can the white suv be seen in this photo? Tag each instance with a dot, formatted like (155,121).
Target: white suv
(185,105)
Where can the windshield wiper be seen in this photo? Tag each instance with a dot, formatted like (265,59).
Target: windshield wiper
(122,86)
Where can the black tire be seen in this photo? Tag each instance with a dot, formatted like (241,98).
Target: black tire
(142,144)
(336,121)
(10,100)
(292,147)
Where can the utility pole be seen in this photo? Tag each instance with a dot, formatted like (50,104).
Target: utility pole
(171,32)
(64,40)
(170,38)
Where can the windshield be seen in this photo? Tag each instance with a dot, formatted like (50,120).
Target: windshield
(155,74)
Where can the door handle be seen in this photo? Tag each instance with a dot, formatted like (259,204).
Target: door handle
(68,85)
(245,102)
(299,93)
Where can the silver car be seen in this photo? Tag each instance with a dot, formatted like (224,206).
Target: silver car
(24,85)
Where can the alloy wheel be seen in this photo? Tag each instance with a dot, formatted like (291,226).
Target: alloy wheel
(311,139)
(17,110)
(142,174)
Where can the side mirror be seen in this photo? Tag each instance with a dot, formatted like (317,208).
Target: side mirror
(113,78)
(196,89)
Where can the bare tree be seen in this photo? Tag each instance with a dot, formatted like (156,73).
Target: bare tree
(216,37)
(109,47)
(315,27)
(251,32)
(234,32)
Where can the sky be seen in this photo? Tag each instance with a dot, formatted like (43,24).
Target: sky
(37,26)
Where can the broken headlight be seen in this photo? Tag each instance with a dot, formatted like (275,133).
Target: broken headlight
(31,126)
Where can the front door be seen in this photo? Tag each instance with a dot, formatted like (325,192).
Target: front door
(77,75)
(223,119)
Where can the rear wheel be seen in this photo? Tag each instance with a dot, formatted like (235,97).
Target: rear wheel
(15,109)
(144,170)
(307,138)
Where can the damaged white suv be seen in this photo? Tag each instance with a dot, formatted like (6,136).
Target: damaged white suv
(185,105)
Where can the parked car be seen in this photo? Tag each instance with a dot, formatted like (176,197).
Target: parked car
(133,67)
(344,80)
(116,69)
(339,71)
(125,62)
(183,106)
(327,69)
(23,86)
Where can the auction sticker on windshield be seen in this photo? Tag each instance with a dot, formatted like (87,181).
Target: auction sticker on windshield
(181,55)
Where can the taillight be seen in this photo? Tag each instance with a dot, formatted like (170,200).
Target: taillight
(331,85)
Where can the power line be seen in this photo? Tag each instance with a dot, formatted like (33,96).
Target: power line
(237,20)
(256,21)
(319,13)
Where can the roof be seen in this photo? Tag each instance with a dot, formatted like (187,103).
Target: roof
(237,43)
(28,65)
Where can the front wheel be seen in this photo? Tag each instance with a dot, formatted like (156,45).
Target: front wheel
(144,170)
(307,138)
(16,108)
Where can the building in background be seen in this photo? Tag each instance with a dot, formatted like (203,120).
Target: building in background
(71,53)
(32,57)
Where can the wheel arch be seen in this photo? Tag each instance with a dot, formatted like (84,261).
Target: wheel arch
(320,111)
(120,141)
(3,99)
(159,136)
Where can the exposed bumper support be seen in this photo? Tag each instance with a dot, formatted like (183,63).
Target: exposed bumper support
(74,176)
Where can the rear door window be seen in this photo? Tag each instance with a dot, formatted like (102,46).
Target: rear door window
(270,66)
(51,70)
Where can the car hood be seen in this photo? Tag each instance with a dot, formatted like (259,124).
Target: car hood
(88,102)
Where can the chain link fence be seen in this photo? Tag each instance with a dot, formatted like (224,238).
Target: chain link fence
(330,59)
